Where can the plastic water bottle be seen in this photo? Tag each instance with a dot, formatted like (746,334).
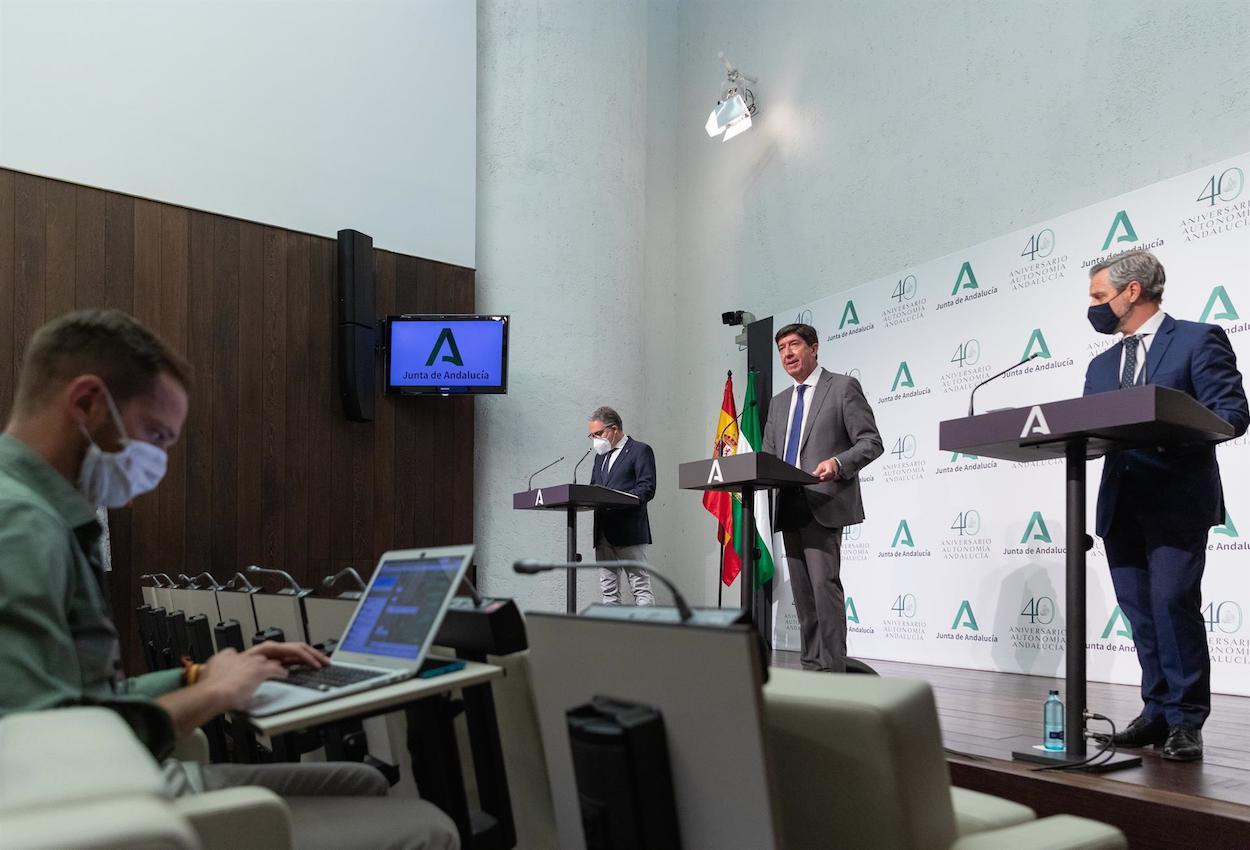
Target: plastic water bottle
(1052,722)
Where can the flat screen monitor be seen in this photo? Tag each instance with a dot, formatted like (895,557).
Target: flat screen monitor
(446,354)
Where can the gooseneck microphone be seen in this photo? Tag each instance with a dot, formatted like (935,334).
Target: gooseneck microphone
(579,463)
(529,485)
(973,394)
(528,567)
(734,421)
(290,580)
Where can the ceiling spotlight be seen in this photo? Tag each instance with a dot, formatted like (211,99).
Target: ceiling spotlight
(736,105)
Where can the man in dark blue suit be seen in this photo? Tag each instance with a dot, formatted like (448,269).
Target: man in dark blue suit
(1156,505)
(622,534)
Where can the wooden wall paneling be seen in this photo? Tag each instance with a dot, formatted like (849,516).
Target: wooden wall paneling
(322,406)
(224,377)
(424,412)
(29,210)
(197,441)
(384,468)
(145,511)
(407,475)
(88,249)
(256,243)
(341,544)
(8,366)
(268,468)
(274,487)
(119,287)
(294,476)
(59,252)
(172,326)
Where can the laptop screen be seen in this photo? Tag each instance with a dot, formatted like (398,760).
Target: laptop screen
(396,617)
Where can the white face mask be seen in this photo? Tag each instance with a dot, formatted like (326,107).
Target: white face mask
(113,479)
(602,446)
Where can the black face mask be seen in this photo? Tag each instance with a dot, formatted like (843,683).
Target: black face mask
(1103,318)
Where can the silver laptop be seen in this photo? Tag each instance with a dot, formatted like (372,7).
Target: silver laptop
(388,636)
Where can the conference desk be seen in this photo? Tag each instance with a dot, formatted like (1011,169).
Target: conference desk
(364,704)
(436,768)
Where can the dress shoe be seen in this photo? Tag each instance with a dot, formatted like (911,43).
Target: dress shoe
(1142,732)
(1184,743)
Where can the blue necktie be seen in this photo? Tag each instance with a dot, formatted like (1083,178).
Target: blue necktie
(1129,376)
(796,428)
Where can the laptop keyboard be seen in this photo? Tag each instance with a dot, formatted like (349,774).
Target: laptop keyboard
(329,678)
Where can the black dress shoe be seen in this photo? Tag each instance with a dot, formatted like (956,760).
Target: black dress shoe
(1184,743)
(1142,732)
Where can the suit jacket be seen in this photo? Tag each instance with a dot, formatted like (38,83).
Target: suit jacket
(633,472)
(1178,485)
(839,424)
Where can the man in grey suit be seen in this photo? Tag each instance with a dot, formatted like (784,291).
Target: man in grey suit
(823,425)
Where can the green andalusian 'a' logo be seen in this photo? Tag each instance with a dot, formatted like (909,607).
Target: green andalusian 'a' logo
(955,456)
(1125,630)
(849,316)
(902,378)
(902,535)
(1036,529)
(1219,295)
(852,616)
(964,618)
(1037,344)
(454,357)
(1120,221)
(966,279)
(1227,529)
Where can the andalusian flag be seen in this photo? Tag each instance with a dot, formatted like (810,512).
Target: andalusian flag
(752,438)
(720,503)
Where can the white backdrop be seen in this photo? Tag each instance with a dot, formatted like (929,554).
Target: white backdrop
(960,561)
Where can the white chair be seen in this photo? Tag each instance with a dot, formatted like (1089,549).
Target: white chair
(859,764)
(78,779)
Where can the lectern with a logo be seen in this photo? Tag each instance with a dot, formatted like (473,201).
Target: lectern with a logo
(744,474)
(571,498)
(1081,429)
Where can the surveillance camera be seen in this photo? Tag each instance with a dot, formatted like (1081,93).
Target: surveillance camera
(731,318)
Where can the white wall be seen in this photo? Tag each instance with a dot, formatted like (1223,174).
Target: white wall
(308,114)
(892,133)
(563,116)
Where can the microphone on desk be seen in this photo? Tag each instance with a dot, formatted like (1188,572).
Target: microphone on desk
(529,567)
(579,463)
(973,394)
(294,585)
(529,485)
(734,421)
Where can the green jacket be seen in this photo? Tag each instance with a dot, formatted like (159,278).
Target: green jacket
(58,644)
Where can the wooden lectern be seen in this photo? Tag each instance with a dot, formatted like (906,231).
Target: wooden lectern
(572,498)
(745,474)
(1082,429)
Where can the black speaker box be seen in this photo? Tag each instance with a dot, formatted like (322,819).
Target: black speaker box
(357,325)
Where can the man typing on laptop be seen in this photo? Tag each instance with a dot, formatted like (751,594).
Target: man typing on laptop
(100,399)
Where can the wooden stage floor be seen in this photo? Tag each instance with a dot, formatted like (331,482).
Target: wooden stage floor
(987,715)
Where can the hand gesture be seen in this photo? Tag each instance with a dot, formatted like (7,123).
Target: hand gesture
(827,469)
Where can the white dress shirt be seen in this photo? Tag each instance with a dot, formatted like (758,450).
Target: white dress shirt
(810,383)
(1147,332)
(613,454)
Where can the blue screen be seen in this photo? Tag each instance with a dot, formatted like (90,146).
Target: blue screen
(456,354)
(397,616)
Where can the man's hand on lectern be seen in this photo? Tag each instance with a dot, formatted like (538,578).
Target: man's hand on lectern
(827,469)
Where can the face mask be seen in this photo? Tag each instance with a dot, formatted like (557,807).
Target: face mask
(113,479)
(1103,318)
(602,446)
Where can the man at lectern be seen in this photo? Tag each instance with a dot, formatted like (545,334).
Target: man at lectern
(822,424)
(622,534)
(1156,505)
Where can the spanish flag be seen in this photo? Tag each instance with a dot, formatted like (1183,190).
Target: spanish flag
(720,504)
